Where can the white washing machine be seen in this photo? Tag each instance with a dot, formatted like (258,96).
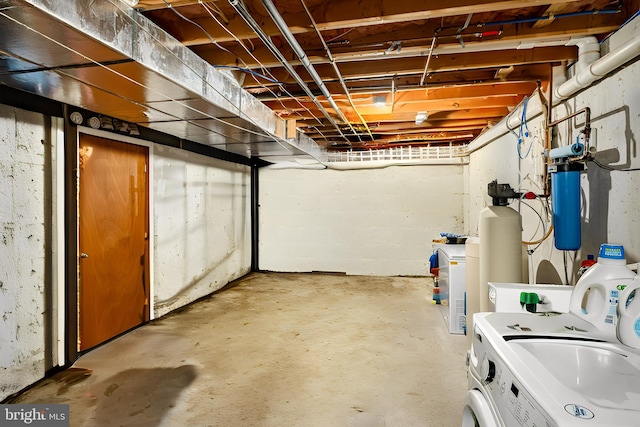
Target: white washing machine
(546,370)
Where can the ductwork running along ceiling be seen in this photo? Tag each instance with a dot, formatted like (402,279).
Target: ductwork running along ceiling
(297,78)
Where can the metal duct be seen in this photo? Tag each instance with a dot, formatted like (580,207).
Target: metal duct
(108,58)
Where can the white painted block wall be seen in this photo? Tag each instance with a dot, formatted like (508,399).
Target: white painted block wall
(202,237)
(370,222)
(202,226)
(22,251)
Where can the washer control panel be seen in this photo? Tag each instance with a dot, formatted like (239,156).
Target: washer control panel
(514,404)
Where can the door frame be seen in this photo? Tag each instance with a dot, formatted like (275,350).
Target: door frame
(72,254)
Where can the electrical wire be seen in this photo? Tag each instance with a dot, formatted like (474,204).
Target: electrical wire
(192,22)
(340,35)
(265,70)
(546,232)
(544,227)
(249,19)
(339,74)
(609,168)
(150,89)
(426,66)
(246,69)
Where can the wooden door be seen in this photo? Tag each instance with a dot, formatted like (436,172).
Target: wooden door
(113,239)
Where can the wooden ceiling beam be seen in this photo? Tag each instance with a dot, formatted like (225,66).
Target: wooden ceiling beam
(436,125)
(446,117)
(416,42)
(519,73)
(420,35)
(421,95)
(550,12)
(148,5)
(385,113)
(437,105)
(353,13)
(412,128)
(346,14)
(414,66)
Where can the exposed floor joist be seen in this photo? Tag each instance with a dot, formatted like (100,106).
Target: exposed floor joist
(466,63)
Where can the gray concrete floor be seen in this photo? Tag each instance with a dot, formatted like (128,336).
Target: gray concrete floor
(277,350)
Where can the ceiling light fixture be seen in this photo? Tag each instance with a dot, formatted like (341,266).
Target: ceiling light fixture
(379,101)
(421,117)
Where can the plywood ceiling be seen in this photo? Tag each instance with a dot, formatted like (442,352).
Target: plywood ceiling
(464,64)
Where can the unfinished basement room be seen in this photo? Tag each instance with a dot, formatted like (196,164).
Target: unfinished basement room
(319,213)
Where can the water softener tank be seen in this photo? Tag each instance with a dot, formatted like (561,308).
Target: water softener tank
(629,315)
(565,202)
(595,296)
(500,231)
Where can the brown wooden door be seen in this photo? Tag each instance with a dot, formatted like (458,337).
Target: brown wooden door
(113,239)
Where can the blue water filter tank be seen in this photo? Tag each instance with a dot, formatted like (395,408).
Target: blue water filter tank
(565,194)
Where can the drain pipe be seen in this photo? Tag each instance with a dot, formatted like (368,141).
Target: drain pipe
(239,7)
(586,74)
(598,68)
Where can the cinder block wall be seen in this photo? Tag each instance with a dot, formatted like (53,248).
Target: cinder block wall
(371,221)
(22,249)
(202,231)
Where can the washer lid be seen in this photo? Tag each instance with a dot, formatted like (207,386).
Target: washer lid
(604,375)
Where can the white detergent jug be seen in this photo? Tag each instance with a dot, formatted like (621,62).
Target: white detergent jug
(629,315)
(595,296)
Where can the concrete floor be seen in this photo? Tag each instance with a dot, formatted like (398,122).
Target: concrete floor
(277,350)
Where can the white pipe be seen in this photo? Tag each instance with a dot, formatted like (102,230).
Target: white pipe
(369,164)
(588,52)
(597,69)
(586,74)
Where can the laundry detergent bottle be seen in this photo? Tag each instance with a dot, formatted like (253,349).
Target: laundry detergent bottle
(629,315)
(595,296)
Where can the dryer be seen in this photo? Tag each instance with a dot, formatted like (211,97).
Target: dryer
(546,370)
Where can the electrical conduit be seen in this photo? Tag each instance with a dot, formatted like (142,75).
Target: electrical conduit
(239,6)
(288,35)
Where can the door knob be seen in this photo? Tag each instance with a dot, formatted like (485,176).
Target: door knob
(83,255)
